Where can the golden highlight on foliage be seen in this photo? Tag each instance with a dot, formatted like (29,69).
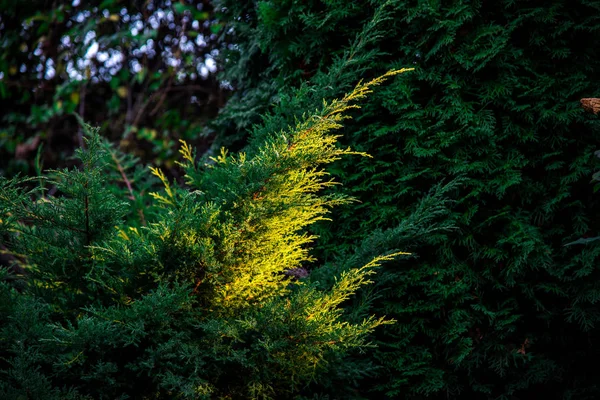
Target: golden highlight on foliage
(264,199)
(362,89)
(210,270)
(171,197)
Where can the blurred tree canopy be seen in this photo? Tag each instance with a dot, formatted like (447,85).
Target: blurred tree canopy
(144,71)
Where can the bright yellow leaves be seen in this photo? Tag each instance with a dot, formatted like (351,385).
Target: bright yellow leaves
(171,195)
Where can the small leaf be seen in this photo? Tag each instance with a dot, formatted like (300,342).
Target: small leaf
(181,8)
(122,92)
(215,28)
(74,97)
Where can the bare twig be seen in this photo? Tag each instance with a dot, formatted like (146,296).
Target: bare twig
(122,172)
(87,215)
(162,97)
(128,184)
(81,113)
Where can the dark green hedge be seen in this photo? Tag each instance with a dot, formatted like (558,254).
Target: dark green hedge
(498,308)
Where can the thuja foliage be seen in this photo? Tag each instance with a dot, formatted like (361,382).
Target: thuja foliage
(498,308)
(202,299)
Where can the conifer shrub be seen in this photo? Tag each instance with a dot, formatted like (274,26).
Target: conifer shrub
(196,301)
(498,308)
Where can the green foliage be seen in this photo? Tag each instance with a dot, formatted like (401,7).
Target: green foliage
(499,307)
(143,71)
(62,228)
(199,302)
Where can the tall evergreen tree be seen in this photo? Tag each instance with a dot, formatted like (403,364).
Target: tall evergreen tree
(498,308)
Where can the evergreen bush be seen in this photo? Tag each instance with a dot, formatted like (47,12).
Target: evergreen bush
(204,298)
